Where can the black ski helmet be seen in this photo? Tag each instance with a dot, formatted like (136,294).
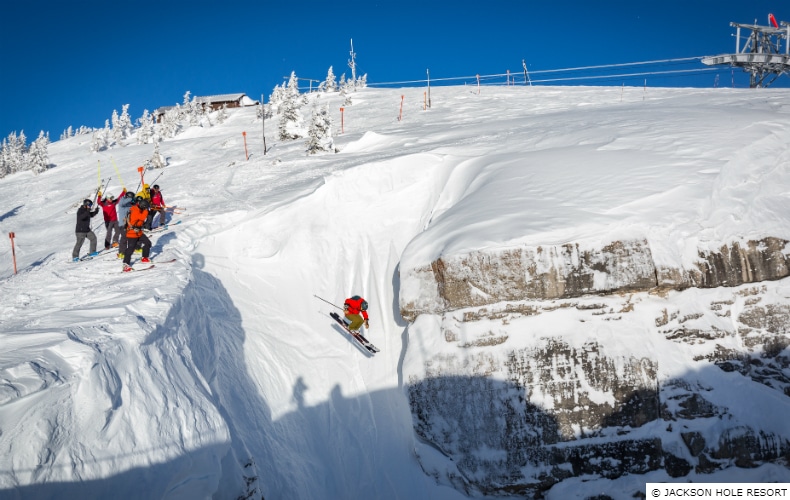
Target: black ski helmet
(156,186)
(143,203)
(130,194)
(87,203)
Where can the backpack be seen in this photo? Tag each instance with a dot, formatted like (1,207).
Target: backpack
(364,305)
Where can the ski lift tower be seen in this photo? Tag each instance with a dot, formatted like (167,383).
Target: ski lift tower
(762,54)
(352,63)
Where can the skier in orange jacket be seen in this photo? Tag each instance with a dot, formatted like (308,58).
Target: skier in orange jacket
(135,221)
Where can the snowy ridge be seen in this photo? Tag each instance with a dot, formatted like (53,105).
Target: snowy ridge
(221,374)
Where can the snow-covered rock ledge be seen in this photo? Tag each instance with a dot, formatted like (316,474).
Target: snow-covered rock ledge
(489,276)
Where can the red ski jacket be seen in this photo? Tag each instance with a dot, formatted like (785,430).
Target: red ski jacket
(108,209)
(354,306)
(157,201)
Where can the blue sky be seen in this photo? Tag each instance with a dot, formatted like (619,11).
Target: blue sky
(73,63)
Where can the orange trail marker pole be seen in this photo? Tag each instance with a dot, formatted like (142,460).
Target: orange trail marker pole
(341,120)
(400,113)
(142,180)
(246,156)
(13,252)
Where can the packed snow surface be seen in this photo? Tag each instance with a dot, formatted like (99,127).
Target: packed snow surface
(222,372)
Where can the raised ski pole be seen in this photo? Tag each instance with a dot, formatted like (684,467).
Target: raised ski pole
(13,252)
(101,186)
(157,178)
(331,304)
(117,172)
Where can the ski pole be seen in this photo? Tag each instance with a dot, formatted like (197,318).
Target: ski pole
(117,172)
(157,178)
(103,188)
(331,304)
(98,189)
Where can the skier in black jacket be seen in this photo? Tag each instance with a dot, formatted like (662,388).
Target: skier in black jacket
(83,231)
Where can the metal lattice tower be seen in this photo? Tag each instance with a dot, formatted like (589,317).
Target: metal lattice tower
(761,53)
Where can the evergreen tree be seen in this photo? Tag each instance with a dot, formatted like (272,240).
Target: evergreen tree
(4,160)
(117,132)
(222,113)
(157,160)
(290,126)
(205,114)
(170,123)
(125,122)
(319,136)
(15,148)
(194,112)
(101,138)
(276,98)
(146,131)
(38,157)
(293,86)
(330,85)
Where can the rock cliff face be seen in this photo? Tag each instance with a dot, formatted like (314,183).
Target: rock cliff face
(567,271)
(528,384)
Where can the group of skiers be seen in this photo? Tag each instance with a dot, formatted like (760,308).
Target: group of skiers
(125,219)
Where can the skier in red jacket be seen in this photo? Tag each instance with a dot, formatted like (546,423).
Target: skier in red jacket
(107,204)
(356,311)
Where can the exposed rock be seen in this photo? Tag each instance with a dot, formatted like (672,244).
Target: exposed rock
(694,441)
(550,272)
(676,466)
(736,264)
(486,277)
(516,419)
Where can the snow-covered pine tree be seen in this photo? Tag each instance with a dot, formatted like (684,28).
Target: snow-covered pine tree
(125,122)
(319,136)
(330,85)
(276,98)
(170,123)
(122,127)
(117,131)
(293,86)
(205,114)
(157,160)
(38,157)
(146,130)
(14,151)
(194,112)
(101,138)
(222,113)
(290,126)
(4,161)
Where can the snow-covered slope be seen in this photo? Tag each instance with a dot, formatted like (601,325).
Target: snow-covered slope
(222,374)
